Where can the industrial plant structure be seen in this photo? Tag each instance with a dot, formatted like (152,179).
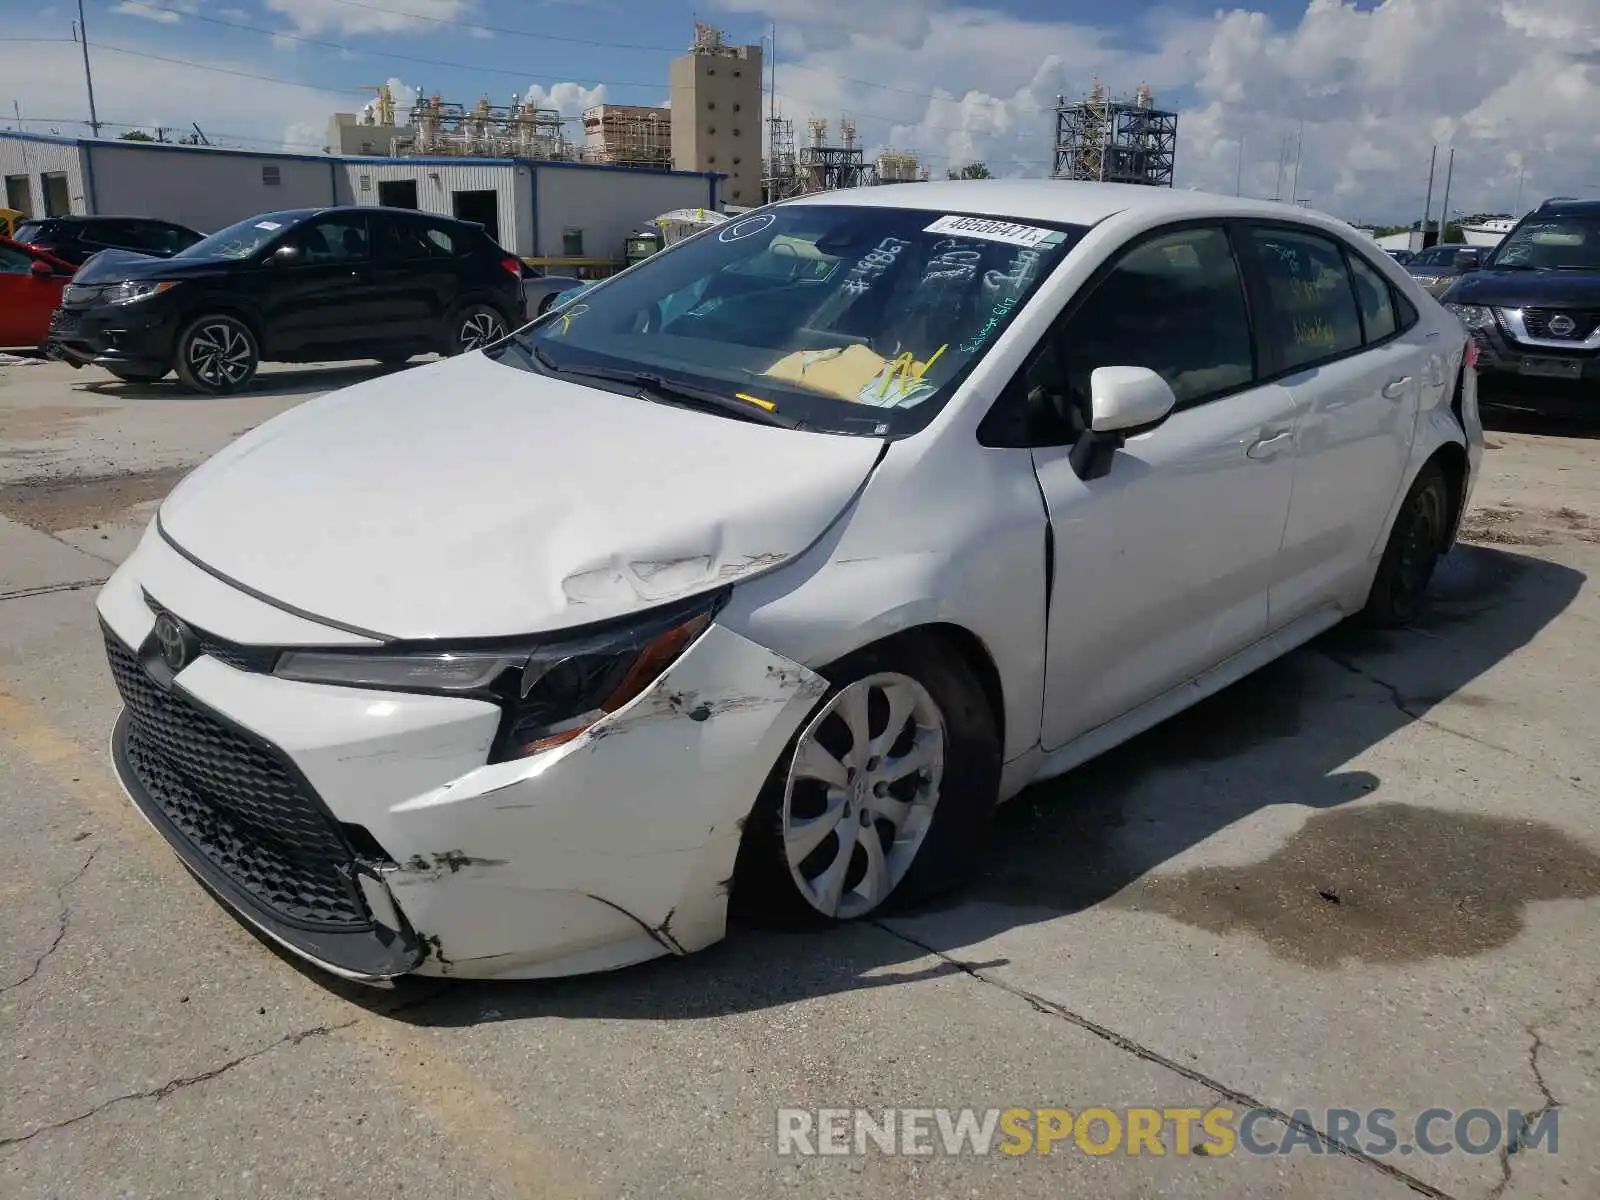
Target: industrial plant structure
(1115,141)
(822,165)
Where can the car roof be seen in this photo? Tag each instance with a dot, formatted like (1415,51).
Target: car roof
(1065,201)
(1570,205)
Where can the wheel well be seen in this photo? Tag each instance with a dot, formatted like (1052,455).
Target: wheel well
(977,659)
(1451,459)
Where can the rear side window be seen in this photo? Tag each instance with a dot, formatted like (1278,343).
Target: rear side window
(37,231)
(1376,301)
(1313,314)
(121,235)
(1174,304)
(411,241)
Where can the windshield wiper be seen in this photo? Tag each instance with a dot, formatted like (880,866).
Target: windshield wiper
(663,391)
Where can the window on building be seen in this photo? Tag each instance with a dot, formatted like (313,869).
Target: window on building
(572,242)
(57,196)
(271,175)
(19,195)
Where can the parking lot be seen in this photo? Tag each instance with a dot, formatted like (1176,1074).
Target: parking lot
(1367,877)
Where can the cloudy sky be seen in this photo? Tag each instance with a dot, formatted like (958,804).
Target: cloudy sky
(1512,85)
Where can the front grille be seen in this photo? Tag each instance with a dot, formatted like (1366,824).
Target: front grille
(1584,323)
(236,804)
(64,321)
(260,659)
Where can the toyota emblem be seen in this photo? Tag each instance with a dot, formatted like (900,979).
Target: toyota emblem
(175,641)
(1562,325)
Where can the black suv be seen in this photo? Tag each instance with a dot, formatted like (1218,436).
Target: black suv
(309,285)
(74,239)
(1533,306)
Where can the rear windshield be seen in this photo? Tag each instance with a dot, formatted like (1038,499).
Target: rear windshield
(846,318)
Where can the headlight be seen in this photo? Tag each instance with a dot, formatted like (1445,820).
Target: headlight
(550,691)
(127,293)
(1473,316)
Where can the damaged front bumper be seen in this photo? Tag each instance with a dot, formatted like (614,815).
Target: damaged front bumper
(368,833)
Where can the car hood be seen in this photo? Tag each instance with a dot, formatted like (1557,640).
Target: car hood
(114,266)
(1528,289)
(467,499)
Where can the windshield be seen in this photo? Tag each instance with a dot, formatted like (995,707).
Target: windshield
(838,317)
(241,240)
(1566,241)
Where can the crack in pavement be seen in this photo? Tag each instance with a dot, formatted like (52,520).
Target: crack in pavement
(1402,702)
(178,1084)
(1126,1044)
(1514,1144)
(63,921)
(52,588)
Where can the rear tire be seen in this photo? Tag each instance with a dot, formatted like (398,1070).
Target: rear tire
(475,327)
(138,375)
(1415,545)
(217,355)
(925,793)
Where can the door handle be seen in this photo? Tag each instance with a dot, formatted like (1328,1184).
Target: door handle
(1396,388)
(1268,446)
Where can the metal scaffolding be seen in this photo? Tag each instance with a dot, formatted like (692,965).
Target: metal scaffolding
(821,167)
(1115,141)
(627,135)
(485,130)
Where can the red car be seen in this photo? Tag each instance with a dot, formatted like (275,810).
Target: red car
(30,291)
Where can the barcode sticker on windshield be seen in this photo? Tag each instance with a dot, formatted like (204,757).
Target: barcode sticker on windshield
(990,230)
(269,226)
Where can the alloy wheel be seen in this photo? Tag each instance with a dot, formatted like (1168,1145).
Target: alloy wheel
(219,355)
(481,328)
(861,793)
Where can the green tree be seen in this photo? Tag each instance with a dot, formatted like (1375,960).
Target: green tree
(973,170)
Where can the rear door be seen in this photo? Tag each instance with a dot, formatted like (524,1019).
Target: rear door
(1335,339)
(1162,565)
(415,267)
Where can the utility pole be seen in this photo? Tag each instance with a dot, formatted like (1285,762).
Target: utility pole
(1427,205)
(1444,211)
(88,76)
(1299,145)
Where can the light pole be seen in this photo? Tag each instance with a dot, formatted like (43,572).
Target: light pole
(88,76)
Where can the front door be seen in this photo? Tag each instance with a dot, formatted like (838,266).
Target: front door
(324,302)
(26,300)
(1336,339)
(1162,565)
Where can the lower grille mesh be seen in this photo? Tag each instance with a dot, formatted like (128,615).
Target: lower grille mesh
(236,803)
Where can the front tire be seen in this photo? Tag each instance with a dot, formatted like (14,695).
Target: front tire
(887,792)
(475,327)
(217,355)
(1415,546)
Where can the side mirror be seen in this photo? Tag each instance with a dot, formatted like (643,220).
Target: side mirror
(1123,401)
(41,270)
(285,256)
(1468,260)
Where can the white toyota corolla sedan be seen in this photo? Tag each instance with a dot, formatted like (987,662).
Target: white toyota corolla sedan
(762,572)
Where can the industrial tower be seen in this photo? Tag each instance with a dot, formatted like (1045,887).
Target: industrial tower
(1115,141)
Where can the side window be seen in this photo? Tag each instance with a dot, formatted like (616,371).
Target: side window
(333,240)
(14,262)
(1376,300)
(1174,304)
(116,234)
(1313,305)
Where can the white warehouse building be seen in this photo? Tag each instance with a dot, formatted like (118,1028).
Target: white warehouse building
(533,208)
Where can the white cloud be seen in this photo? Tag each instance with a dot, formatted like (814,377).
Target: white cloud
(131,91)
(380,16)
(570,98)
(1509,83)
(132,8)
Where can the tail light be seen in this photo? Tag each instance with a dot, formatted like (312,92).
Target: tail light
(514,265)
(1472,353)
